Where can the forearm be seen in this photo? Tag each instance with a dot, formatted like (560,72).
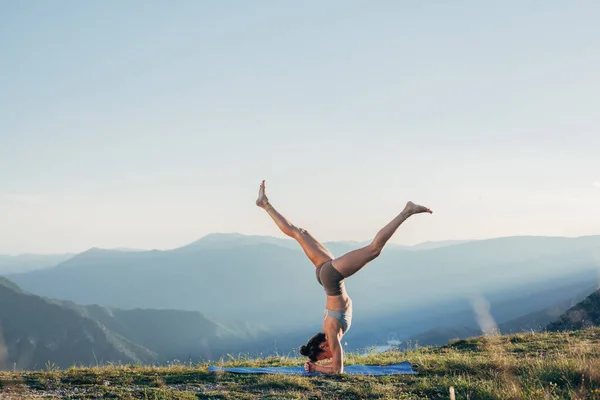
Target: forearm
(329,368)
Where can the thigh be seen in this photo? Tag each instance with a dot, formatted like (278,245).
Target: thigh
(352,262)
(314,250)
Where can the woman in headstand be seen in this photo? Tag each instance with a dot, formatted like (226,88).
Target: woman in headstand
(330,273)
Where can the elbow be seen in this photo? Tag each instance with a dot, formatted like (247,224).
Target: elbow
(338,369)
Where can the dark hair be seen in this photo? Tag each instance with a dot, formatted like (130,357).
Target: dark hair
(312,349)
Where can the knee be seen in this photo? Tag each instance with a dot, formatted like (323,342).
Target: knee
(375,249)
(298,233)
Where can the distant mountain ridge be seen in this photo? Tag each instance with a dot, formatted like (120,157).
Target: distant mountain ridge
(30,262)
(269,282)
(234,238)
(35,331)
(535,321)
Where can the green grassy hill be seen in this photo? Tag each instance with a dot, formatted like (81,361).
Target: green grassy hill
(584,314)
(559,365)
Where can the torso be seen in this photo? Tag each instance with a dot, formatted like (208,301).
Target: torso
(342,302)
(337,299)
(331,326)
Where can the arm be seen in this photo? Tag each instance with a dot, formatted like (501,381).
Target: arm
(330,369)
(336,366)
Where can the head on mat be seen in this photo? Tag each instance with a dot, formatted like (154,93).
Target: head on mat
(331,273)
(317,348)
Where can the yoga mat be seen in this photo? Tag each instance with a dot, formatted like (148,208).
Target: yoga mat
(394,369)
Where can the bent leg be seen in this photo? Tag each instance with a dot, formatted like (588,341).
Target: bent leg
(350,263)
(314,250)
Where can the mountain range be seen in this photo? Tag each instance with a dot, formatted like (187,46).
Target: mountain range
(269,281)
(30,262)
(35,331)
(262,290)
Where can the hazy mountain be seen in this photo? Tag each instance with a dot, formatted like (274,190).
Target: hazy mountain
(35,330)
(340,247)
(173,334)
(538,321)
(232,240)
(268,281)
(583,315)
(435,245)
(464,324)
(30,262)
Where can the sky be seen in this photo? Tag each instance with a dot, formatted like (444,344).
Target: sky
(151,124)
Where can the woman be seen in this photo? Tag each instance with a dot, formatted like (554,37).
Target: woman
(330,273)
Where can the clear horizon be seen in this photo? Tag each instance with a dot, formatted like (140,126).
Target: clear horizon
(127,126)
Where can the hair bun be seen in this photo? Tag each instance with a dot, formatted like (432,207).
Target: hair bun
(304,350)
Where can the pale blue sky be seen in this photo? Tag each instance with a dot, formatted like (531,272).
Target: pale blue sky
(149,124)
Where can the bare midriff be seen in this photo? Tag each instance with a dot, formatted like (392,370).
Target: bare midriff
(342,302)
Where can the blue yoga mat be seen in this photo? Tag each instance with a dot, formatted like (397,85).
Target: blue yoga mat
(394,369)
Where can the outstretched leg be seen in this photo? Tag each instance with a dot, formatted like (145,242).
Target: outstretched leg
(315,251)
(350,263)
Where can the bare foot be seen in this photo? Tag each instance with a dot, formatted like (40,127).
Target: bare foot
(412,208)
(262,200)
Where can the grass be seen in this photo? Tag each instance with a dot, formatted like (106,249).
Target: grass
(522,366)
